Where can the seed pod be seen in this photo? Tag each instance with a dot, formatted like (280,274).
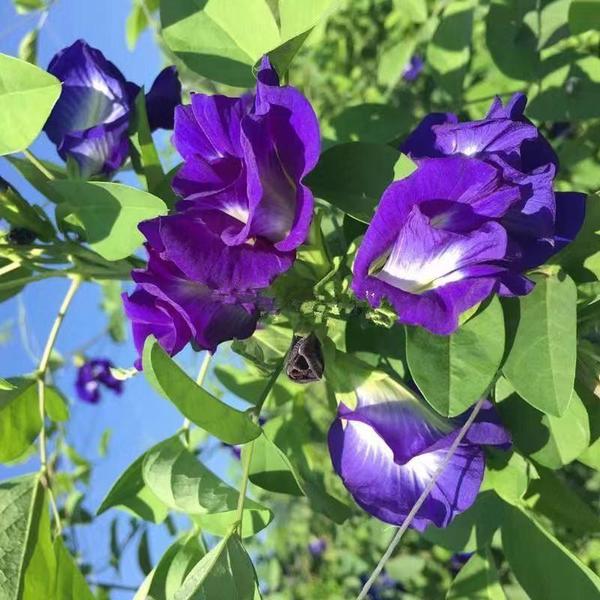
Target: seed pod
(305,359)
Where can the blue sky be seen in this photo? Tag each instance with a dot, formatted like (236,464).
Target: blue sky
(139,418)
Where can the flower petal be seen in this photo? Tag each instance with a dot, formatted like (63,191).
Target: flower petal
(163,97)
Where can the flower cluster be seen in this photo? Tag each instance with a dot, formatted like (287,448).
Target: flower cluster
(89,123)
(244,211)
(386,445)
(92,376)
(479,210)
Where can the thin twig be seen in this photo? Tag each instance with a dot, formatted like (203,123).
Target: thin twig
(37,163)
(415,509)
(41,386)
(185,428)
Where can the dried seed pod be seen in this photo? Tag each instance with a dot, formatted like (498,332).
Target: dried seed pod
(305,359)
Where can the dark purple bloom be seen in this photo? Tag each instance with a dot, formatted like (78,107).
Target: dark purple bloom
(459,560)
(90,121)
(244,161)
(413,68)
(479,211)
(317,546)
(94,374)
(195,287)
(387,448)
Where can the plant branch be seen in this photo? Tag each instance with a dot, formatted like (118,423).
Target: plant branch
(185,428)
(37,163)
(247,456)
(415,509)
(41,386)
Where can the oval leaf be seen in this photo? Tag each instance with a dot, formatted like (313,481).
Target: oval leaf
(455,371)
(107,213)
(542,358)
(27,95)
(183,483)
(201,408)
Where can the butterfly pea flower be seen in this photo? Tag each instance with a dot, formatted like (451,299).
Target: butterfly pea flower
(543,221)
(90,121)
(244,161)
(92,376)
(195,287)
(317,547)
(413,68)
(386,445)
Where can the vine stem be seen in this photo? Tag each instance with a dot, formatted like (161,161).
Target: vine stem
(37,163)
(185,428)
(415,509)
(13,266)
(247,456)
(41,386)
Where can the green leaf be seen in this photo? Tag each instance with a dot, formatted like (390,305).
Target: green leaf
(26,6)
(27,561)
(584,15)
(270,468)
(541,564)
(511,40)
(550,496)
(542,358)
(472,529)
(19,213)
(20,421)
(455,371)
(144,560)
(353,176)
(28,46)
(508,474)
(183,483)
(568,89)
(27,95)
(57,406)
(70,583)
(477,580)
(107,213)
(144,156)
(551,441)
(449,50)
(173,568)
(112,306)
(375,123)
(39,181)
(201,408)
(225,572)
(131,494)
(221,41)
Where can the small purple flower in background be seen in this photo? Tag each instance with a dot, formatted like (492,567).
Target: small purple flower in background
(413,68)
(317,547)
(459,560)
(90,121)
(94,374)
(244,161)
(478,211)
(387,448)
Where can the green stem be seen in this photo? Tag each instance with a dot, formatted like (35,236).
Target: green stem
(247,456)
(424,495)
(41,386)
(185,428)
(38,165)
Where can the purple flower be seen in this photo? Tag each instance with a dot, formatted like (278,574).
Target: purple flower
(94,374)
(317,547)
(195,287)
(387,448)
(244,161)
(478,211)
(90,121)
(413,68)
